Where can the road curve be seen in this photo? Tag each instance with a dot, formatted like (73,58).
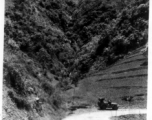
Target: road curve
(104,115)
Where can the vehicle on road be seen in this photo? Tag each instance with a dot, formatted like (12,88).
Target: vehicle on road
(107,105)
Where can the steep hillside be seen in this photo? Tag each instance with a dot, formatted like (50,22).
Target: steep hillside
(105,33)
(36,59)
(128,77)
(49,45)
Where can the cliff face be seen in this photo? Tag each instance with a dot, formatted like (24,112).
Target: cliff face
(51,44)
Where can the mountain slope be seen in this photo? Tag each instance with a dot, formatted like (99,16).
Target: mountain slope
(128,77)
(49,45)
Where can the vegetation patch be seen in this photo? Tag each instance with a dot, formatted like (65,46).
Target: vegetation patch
(21,103)
(132,76)
(48,88)
(15,81)
(68,39)
(130,117)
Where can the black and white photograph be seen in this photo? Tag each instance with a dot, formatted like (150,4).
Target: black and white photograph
(75,60)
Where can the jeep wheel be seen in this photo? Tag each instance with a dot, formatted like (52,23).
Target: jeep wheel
(115,107)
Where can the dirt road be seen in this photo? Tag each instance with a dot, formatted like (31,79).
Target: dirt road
(104,115)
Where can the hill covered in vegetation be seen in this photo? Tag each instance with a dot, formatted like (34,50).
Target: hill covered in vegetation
(52,44)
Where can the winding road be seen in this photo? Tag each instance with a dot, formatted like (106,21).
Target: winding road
(104,115)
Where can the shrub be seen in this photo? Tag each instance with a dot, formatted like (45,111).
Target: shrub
(48,88)
(56,101)
(21,103)
(14,80)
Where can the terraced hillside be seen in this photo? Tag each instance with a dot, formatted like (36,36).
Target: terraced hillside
(51,45)
(128,77)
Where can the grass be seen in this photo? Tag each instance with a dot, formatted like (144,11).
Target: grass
(127,65)
(139,73)
(122,66)
(133,58)
(126,78)
(130,117)
(125,81)
(129,70)
(125,61)
(136,60)
(133,55)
